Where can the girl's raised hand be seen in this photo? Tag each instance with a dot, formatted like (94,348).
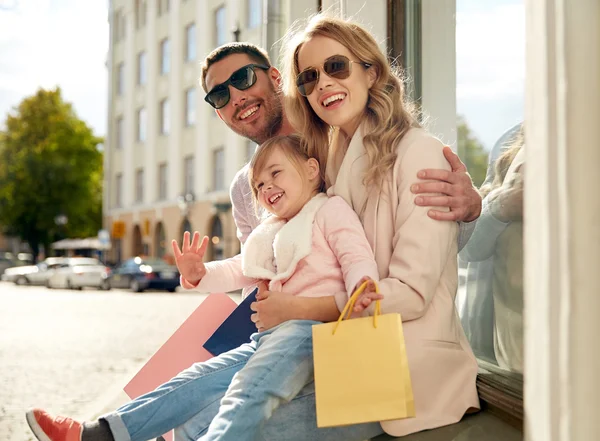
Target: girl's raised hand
(367,296)
(189,258)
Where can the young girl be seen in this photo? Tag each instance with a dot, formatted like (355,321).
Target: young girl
(311,245)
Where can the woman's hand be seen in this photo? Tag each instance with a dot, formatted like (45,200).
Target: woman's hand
(456,186)
(273,308)
(367,296)
(189,259)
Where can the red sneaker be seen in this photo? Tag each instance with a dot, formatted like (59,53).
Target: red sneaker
(48,428)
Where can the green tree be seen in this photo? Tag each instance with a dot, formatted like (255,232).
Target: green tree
(50,165)
(471,152)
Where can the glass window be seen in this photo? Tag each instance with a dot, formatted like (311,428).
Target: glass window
(219,169)
(190,42)
(142,73)
(120,78)
(139,185)
(165,56)
(220,27)
(165,117)
(254,13)
(162,182)
(119,133)
(188,169)
(190,106)
(141,125)
(119,190)
(140,14)
(490,76)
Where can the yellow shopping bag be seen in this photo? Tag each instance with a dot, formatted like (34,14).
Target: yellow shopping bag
(361,370)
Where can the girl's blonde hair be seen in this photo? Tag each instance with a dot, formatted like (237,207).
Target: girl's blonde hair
(388,114)
(294,149)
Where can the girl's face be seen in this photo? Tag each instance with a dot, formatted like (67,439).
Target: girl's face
(338,102)
(282,188)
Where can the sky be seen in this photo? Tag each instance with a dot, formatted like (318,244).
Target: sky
(45,43)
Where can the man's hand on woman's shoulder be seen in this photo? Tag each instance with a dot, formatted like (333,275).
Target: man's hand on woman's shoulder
(456,188)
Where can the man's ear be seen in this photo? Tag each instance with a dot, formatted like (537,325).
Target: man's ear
(313,168)
(275,76)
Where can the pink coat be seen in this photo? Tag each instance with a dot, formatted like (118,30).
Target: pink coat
(321,251)
(417,261)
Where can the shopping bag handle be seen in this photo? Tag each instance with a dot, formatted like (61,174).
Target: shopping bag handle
(350,305)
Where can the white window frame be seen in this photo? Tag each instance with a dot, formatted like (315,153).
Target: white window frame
(165,117)
(142,68)
(163,170)
(142,124)
(119,133)
(220,28)
(139,185)
(190,42)
(190,106)
(165,56)
(254,19)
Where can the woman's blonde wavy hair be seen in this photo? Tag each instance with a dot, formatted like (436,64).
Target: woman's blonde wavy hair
(388,115)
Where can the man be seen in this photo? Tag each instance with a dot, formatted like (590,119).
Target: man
(243,87)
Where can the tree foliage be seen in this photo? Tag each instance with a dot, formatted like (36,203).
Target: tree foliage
(471,152)
(50,165)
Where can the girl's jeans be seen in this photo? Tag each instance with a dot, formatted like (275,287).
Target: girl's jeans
(218,400)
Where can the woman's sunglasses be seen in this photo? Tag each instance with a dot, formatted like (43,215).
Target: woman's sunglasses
(241,79)
(337,66)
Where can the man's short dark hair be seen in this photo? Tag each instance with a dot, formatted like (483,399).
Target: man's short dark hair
(256,54)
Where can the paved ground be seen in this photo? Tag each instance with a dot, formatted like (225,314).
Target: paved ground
(71,352)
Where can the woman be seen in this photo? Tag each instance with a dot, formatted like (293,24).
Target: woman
(343,95)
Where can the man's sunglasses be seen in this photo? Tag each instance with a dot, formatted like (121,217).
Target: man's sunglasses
(337,66)
(241,79)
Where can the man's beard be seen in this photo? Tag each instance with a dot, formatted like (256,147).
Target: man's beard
(273,109)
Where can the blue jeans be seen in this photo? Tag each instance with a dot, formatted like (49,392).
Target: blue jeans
(232,396)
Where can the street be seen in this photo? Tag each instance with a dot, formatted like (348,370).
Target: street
(71,352)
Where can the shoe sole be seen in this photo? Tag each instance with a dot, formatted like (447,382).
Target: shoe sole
(35,427)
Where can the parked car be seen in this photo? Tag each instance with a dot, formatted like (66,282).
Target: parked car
(6,262)
(140,275)
(33,274)
(77,273)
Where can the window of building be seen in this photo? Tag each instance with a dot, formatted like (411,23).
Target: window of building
(188,174)
(190,42)
(120,78)
(254,13)
(139,185)
(250,149)
(219,169)
(490,294)
(140,14)
(220,26)
(119,190)
(119,134)
(163,7)
(118,26)
(190,106)
(162,182)
(142,76)
(141,125)
(165,117)
(165,56)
